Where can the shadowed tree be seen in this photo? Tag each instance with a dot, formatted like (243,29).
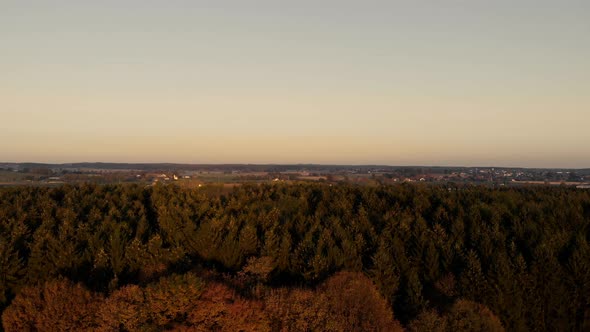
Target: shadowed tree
(473,317)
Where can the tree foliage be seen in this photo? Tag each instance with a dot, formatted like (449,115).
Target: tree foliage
(473,253)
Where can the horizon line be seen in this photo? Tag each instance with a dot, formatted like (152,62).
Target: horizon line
(280,164)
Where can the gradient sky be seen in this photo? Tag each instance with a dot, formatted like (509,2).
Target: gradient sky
(503,83)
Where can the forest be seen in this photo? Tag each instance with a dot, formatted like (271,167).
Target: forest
(294,257)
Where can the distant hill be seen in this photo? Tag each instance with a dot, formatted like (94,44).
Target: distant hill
(273,167)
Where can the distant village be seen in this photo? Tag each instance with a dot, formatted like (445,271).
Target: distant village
(199,175)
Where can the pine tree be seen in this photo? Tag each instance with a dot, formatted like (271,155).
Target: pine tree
(385,273)
(11,269)
(473,283)
(431,263)
(412,300)
(578,267)
(248,240)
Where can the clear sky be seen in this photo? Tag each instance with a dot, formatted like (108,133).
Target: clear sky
(504,83)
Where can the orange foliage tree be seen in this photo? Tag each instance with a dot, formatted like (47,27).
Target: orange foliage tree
(123,309)
(463,316)
(220,308)
(58,305)
(172,299)
(348,301)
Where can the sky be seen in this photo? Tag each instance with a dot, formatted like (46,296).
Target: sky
(472,82)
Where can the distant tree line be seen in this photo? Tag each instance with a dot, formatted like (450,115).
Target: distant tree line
(295,257)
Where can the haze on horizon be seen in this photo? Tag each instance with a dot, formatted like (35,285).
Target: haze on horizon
(498,83)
